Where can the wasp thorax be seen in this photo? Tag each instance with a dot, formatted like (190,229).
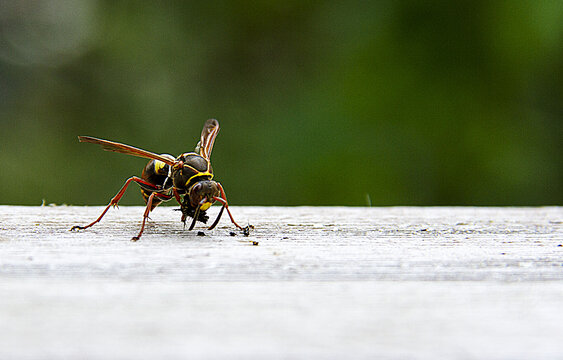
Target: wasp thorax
(189,169)
(193,161)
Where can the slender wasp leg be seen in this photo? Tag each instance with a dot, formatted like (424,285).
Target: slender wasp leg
(223,200)
(148,210)
(145,216)
(115,200)
(177,196)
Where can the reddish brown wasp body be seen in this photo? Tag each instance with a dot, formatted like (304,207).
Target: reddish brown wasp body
(189,176)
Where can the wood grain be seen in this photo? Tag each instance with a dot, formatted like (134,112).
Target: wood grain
(324,282)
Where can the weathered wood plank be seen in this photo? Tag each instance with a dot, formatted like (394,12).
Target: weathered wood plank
(327,282)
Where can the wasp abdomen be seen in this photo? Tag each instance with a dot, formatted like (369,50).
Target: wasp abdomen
(157,173)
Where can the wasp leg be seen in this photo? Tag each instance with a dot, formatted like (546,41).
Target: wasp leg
(223,200)
(116,199)
(177,196)
(148,210)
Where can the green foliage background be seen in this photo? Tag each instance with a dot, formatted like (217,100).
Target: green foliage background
(320,102)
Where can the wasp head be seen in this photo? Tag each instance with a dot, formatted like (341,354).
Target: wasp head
(200,197)
(202,194)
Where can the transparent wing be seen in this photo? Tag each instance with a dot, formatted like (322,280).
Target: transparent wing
(208,135)
(125,149)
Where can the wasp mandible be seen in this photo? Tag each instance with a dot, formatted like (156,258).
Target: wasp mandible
(189,176)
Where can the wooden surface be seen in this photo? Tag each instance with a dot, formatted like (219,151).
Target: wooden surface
(328,282)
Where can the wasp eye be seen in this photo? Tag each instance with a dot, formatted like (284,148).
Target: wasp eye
(197,187)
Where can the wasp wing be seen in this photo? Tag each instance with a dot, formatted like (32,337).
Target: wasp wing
(125,149)
(208,135)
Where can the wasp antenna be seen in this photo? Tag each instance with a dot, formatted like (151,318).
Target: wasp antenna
(218,218)
(195,217)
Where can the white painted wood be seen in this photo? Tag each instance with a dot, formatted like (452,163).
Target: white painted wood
(324,282)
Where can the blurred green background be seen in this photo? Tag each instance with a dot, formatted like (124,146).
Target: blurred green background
(320,102)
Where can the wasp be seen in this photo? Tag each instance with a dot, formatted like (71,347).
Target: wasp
(187,178)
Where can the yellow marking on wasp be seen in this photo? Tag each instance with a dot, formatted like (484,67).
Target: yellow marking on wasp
(205,206)
(200,174)
(158,165)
